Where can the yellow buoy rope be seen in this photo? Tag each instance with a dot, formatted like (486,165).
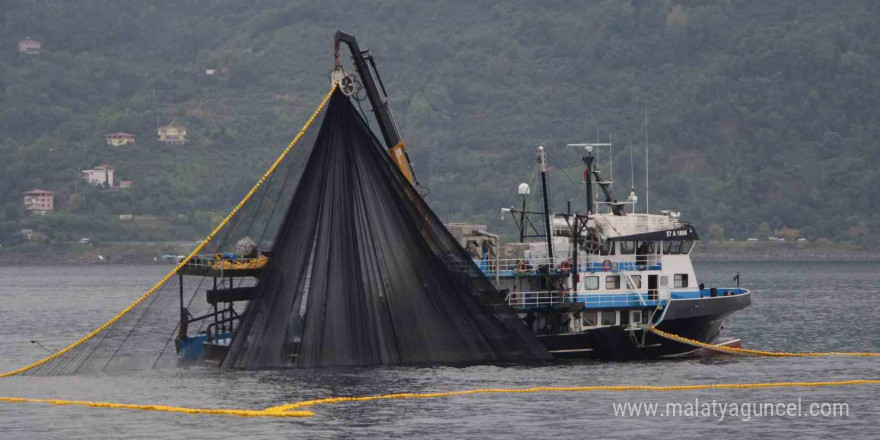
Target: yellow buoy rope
(192,254)
(746,351)
(295,409)
(161,408)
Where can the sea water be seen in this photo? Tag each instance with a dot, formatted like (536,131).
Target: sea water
(795,307)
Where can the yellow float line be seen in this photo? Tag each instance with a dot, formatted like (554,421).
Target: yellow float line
(746,351)
(294,409)
(192,254)
(163,408)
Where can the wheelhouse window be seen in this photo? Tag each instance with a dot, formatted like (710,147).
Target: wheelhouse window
(666,245)
(635,316)
(681,280)
(591,283)
(608,318)
(606,248)
(627,247)
(612,282)
(589,318)
(686,246)
(637,279)
(675,247)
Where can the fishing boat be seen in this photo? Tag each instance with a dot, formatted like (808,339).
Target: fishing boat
(583,284)
(590,284)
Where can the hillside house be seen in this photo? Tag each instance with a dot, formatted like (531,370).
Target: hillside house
(39,202)
(29,47)
(172,134)
(119,139)
(125,183)
(100,175)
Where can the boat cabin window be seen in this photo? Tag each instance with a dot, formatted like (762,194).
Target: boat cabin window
(646,248)
(627,247)
(608,318)
(664,281)
(612,282)
(591,283)
(666,245)
(681,280)
(635,316)
(674,247)
(637,279)
(686,246)
(589,318)
(606,248)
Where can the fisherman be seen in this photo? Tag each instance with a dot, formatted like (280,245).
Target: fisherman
(642,255)
(530,320)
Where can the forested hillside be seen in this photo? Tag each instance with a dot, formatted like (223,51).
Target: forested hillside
(762,115)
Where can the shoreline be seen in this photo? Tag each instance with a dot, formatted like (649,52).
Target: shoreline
(142,253)
(741,251)
(150,253)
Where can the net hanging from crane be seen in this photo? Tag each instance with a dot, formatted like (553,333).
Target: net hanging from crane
(142,336)
(364,273)
(360,272)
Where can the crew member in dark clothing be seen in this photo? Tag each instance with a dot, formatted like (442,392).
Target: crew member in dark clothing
(530,320)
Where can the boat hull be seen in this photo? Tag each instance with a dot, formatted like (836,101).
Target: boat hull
(700,319)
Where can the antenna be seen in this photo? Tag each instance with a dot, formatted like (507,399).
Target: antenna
(632,182)
(647,186)
(632,168)
(611,159)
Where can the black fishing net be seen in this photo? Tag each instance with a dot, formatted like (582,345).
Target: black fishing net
(146,337)
(363,273)
(360,272)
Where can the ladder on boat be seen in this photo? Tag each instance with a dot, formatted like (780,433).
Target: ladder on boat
(631,285)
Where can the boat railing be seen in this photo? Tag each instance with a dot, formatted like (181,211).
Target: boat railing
(563,265)
(531,300)
(524,266)
(227,262)
(534,300)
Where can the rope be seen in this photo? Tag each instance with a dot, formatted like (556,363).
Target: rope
(746,351)
(294,409)
(162,408)
(189,257)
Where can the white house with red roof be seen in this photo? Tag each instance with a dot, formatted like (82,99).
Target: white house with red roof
(119,139)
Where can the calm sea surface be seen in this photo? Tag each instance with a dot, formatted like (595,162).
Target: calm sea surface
(795,307)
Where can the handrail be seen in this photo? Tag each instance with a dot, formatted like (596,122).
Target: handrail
(524,266)
(549,298)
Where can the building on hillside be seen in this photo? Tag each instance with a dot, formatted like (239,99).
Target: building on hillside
(38,201)
(28,46)
(28,234)
(125,183)
(100,175)
(216,72)
(172,134)
(119,139)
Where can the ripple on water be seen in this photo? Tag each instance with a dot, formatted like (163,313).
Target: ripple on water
(795,307)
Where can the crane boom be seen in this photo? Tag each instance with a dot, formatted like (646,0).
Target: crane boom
(378,100)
